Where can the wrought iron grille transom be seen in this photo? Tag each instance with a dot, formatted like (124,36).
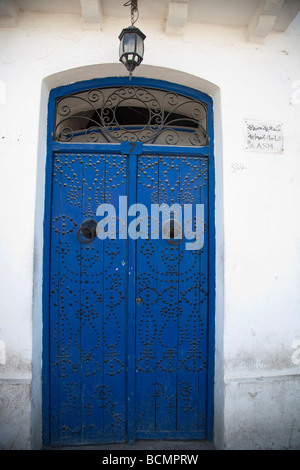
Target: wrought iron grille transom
(129,113)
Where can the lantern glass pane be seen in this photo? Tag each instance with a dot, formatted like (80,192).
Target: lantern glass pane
(129,42)
(140,46)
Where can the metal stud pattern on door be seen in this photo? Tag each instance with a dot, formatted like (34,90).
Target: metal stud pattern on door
(171,320)
(88,307)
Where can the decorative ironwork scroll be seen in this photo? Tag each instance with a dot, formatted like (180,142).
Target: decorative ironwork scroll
(151,116)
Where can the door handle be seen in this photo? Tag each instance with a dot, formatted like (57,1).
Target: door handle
(87,231)
(172,230)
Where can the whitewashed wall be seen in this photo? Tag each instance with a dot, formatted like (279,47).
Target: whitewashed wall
(257,393)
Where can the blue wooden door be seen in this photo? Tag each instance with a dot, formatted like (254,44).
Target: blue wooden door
(122,306)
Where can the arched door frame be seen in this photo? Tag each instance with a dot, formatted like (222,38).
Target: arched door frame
(145,82)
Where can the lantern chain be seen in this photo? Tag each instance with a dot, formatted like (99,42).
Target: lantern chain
(133,4)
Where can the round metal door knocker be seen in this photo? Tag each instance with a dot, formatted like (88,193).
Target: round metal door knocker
(175,243)
(87,231)
(172,230)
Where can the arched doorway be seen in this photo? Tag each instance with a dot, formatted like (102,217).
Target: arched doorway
(128,316)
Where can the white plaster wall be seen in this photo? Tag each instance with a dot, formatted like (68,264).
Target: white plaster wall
(257,383)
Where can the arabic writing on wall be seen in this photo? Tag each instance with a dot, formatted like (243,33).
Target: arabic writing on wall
(263,136)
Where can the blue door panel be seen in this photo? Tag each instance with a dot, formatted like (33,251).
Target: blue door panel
(171,320)
(64,353)
(88,315)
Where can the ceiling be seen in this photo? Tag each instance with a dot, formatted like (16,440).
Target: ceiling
(260,17)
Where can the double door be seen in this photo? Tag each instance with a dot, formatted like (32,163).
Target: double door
(128,327)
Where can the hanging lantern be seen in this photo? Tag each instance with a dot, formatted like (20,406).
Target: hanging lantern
(131,47)
(131,50)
